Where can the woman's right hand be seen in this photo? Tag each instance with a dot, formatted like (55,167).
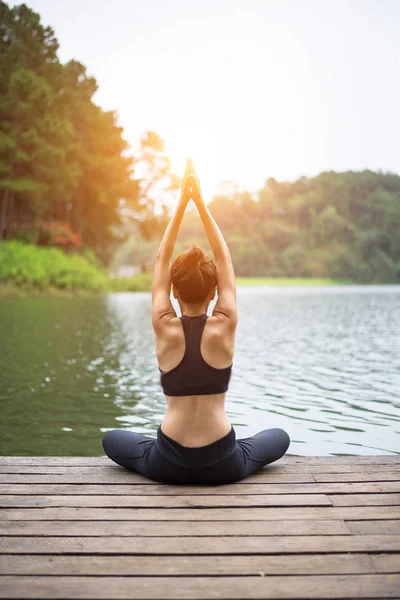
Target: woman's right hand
(196,194)
(185,189)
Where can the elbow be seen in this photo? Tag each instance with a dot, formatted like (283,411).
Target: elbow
(163,258)
(223,256)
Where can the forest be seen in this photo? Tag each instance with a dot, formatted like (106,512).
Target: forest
(69,179)
(335,225)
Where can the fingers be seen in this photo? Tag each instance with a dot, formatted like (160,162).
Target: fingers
(184,182)
(196,182)
(194,186)
(190,183)
(186,188)
(189,167)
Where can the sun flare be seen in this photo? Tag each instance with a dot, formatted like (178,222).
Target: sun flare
(201,148)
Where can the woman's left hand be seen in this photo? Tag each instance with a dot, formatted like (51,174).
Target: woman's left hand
(185,189)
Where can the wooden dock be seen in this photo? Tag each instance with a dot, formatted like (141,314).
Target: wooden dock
(306,527)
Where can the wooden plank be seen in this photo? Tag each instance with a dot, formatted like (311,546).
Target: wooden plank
(365,499)
(387,527)
(386,563)
(291,564)
(277,469)
(167,501)
(200,545)
(56,461)
(347,467)
(344,468)
(377,459)
(381,475)
(188,588)
(34,487)
(129,478)
(200,514)
(48,489)
(96,470)
(173,528)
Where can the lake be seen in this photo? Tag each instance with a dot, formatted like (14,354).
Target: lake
(321,362)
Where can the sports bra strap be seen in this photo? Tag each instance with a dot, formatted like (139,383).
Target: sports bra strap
(193,328)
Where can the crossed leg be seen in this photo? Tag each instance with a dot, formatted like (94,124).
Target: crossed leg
(127,448)
(263,448)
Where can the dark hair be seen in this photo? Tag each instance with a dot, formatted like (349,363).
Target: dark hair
(194,275)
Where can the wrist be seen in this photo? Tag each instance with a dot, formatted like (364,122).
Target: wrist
(198,200)
(183,201)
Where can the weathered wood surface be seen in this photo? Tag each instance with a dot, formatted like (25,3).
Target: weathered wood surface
(181,528)
(167,501)
(378,459)
(305,527)
(196,514)
(292,564)
(200,545)
(186,588)
(28,486)
(282,472)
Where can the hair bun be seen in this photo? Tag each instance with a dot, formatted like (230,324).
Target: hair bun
(196,255)
(194,275)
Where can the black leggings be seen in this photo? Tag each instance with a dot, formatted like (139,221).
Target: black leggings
(224,461)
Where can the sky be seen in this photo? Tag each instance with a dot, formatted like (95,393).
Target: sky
(250,89)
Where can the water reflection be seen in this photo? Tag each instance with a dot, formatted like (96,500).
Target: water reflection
(324,363)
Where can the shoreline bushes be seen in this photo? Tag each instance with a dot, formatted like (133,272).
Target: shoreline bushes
(30,266)
(29,270)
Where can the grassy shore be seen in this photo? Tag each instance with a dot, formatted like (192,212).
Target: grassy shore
(138,283)
(142,283)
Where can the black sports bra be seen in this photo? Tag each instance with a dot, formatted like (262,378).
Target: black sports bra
(193,376)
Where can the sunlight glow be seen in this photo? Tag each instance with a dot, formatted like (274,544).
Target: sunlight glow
(198,144)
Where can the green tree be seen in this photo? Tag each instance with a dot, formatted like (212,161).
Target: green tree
(61,156)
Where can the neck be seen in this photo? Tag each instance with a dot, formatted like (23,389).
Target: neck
(192,311)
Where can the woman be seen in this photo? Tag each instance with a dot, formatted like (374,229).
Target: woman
(195,442)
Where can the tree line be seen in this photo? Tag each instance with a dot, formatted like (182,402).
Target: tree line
(68,178)
(335,225)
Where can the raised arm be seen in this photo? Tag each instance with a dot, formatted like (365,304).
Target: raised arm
(162,309)
(226,303)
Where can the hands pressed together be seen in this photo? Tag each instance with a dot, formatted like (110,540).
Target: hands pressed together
(190,189)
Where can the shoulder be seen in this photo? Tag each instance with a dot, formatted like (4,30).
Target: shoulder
(221,327)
